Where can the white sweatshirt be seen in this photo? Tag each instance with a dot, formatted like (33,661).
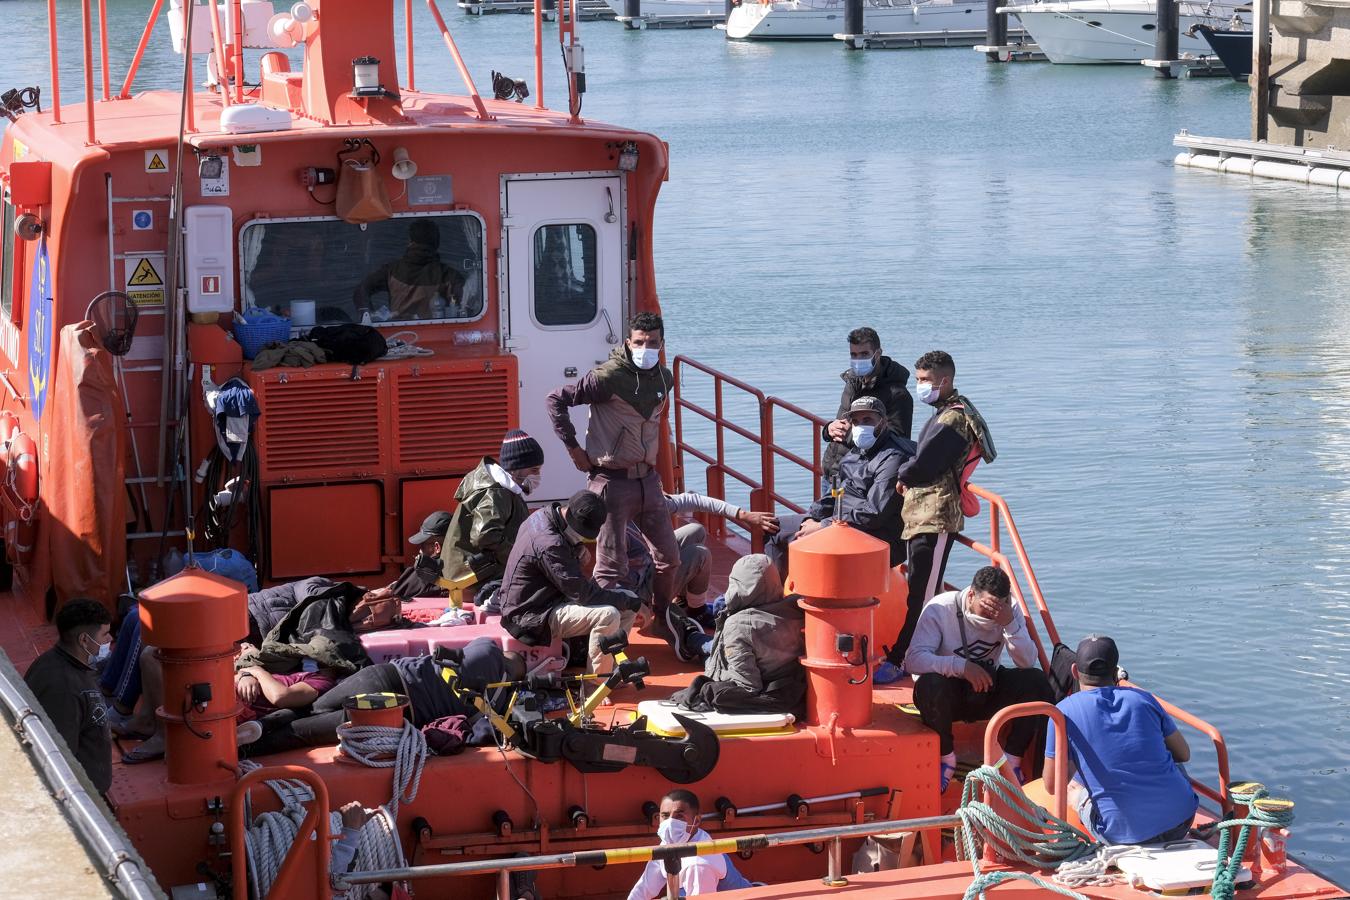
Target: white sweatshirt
(698,874)
(937,645)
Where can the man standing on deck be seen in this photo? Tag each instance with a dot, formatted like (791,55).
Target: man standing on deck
(950,445)
(955,657)
(64,683)
(869,374)
(628,396)
(1124,755)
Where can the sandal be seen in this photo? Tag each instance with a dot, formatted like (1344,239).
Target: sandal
(141,754)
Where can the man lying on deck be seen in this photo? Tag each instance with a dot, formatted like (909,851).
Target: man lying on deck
(1124,755)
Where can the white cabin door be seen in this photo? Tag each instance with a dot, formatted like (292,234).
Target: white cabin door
(565,269)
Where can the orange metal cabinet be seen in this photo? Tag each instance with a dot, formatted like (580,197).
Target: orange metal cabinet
(329,528)
(420,497)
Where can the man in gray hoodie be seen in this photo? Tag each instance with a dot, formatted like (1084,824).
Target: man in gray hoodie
(954,657)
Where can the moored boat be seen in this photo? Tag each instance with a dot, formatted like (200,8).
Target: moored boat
(1232,46)
(1078,32)
(820,20)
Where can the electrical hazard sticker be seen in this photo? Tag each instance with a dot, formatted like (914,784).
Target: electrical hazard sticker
(157,161)
(145,279)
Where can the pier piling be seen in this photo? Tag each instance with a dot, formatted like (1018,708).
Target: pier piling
(996,29)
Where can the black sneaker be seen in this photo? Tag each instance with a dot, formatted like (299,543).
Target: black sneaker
(688,642)
(706,620)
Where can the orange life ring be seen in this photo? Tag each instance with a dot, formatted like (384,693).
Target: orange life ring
(21,479)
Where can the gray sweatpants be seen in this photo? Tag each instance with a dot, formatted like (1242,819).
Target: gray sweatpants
(641,501)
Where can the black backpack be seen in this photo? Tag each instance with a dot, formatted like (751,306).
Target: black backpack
(1062,682)
(355,345)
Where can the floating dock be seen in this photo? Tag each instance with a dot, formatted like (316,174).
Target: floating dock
(587,10)
(1017,51)
(1305,165)
(679,20)
(1188,67)
(915,40)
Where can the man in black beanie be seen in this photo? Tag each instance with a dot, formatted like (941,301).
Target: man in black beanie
(544,593)
(490,510)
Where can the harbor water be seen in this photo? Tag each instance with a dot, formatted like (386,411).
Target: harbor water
(1163,355)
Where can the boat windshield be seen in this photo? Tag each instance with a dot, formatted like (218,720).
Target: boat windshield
(403,269)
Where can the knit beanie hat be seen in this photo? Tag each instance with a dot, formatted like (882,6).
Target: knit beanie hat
(520,451)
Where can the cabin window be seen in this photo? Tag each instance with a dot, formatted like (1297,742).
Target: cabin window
(566,279)
(404,269)
(7,266)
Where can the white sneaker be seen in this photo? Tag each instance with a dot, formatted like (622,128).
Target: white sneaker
(247,733)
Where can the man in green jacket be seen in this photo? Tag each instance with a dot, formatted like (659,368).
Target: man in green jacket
(491,507)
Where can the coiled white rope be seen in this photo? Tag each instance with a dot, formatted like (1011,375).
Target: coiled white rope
(403,750)
(271,834)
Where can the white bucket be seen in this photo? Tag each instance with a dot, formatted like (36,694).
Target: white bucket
(302,313)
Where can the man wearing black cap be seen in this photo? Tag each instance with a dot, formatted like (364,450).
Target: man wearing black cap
(491,508)
(1124,755)
(866,486)
(544,593)
(419,579)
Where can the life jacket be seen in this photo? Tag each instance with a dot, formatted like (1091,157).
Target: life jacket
(981,450)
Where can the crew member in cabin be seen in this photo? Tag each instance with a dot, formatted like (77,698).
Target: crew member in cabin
(950,445)
(1125,755)
(64,683)
(414,280)
(491,508)
(866,481)
(955,658)
(869,374)
(678,823)
(544,594)
(628,396)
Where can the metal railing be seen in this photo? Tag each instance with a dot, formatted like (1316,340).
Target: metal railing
(764,494)
(311,838)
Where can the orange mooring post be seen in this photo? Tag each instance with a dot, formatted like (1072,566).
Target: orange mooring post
(839,571)
(194,619)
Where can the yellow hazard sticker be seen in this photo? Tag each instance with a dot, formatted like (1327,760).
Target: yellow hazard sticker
(145,279)
(157,161)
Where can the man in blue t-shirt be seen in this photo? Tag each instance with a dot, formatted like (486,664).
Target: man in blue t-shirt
(1124,752)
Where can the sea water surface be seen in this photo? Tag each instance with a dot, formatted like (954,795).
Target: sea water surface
(1163,355)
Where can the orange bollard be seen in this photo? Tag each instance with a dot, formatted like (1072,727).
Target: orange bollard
(194,620)
(839,571)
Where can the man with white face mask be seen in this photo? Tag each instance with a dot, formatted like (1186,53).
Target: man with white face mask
(866,483)
(870,373)
(950,445)
(679,819)
(628,396)
(64,683)
(955,655)
(491,507)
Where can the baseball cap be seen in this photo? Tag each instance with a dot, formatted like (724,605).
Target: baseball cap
(433,528)
(1098,656)
(867,404)
(586,514)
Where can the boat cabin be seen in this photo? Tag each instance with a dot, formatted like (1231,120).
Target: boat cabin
(506,244)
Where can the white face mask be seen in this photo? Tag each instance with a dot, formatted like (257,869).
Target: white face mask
(644,357)
(673,831)
(862,367)
(928,393)
(864,436)
(103,652)
(530,483)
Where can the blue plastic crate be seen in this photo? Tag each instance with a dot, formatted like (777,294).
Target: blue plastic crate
(259,331)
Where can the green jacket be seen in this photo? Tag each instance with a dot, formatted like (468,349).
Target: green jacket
(932,476)
(483,528)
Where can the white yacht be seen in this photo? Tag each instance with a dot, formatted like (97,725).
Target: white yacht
(760,20)
(1112,31)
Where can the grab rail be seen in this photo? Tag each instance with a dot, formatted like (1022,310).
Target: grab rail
(315,823)
(1219,796)
(992,752)
(629,855)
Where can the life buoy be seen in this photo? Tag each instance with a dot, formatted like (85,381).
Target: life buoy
(21,478)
